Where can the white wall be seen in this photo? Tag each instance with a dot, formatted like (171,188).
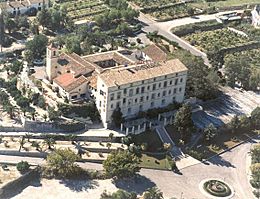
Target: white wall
(163,96)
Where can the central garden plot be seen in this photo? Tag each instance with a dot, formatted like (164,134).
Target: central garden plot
(215,40)
(213,188)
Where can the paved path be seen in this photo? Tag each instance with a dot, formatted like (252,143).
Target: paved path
(165,138)
(221,110)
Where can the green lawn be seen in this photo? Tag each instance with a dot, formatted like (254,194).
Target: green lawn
(151,138)
(222,142)
(154,162)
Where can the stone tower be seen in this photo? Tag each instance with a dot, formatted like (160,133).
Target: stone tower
(52,52)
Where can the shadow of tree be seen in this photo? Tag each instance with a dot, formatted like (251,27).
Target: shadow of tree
(138,184)
(17,188)
(79,185)
(219,161)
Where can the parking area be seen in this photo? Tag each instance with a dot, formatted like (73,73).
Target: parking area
(221,110)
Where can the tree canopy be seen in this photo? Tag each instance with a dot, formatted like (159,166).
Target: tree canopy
(183,122)
(37,46)
(120,194)
(62,162)
(121,164)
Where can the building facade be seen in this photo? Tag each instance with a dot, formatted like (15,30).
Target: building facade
(17,7)
(133,81)
(256,16)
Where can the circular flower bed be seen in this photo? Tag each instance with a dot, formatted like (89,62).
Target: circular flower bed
(217,188)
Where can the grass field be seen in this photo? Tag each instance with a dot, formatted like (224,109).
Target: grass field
(155,162)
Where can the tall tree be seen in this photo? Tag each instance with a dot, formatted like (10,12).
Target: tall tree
(201,82)
(210,132)
(183,122)
(117,117)
(37,46)
(62,162)
(44,17)
(121,164)
(153,193)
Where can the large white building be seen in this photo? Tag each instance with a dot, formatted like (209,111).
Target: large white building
(134,81)
(17,7)
(256,16)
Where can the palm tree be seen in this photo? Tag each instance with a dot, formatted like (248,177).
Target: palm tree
(21,142)
(153,193)
(33,114)
(49,141)
(79,148)
(45,117)
(10,110)
(36,145)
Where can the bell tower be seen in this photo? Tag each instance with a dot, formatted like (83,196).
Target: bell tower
(52,52)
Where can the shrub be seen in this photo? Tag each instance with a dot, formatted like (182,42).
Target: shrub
(23,166)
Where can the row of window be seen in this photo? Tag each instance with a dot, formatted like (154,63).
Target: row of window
(142,89)
(147,98)
(152,105)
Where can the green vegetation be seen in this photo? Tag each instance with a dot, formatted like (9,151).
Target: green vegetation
(153,144)
(82,110)
(37,47)
(196,27)
(217,188)
(23,166)
(236,131)
(117,117)
(119,194)
(244,68)
(121,164)
(255,169)
(84,10)
(153,193)
(61,163)
(155,161)
(214,40)
(183,123)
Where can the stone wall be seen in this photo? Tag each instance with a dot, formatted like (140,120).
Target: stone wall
(51,127)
